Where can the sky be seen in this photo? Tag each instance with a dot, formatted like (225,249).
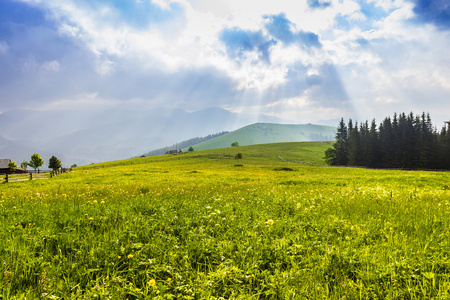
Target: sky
(303,60)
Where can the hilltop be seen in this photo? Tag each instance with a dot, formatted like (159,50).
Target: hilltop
(266,133)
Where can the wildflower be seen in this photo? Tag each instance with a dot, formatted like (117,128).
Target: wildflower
(152,283)
(298,205)
(91,218)
(130,256)
(270,222)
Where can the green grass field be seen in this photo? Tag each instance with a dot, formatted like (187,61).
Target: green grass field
(264,133)
(195,226)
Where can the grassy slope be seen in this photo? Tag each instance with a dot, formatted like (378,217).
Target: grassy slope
(194,225)
(263,133)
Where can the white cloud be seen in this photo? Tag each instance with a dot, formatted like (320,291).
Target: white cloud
(105,67)
(3,47)
(382,62)
(302,109)
(51,65)
(165,4)
(388,4)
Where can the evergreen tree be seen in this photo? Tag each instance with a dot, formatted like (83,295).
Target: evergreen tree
(443,152)
(386,142)
(354,147)
(405,141)
(373,147)
(341,144)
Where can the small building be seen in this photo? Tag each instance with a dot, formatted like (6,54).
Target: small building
(4,169)
(173,152)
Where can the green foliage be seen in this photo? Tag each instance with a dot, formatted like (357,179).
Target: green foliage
(12,166)
(54,163)
(330,156)
(118,230)
(74,166)
(191,149)
(24,165)
(36,161)
(235,144)
(405,141)
(238,156)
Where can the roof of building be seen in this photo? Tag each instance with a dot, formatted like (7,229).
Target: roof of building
(4,163)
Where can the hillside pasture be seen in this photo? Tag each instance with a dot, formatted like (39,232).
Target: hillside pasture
(193,226)
(265,133)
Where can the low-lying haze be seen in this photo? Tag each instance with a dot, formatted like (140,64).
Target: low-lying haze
(303,60)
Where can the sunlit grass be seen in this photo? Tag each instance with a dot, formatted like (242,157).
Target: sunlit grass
(195,226)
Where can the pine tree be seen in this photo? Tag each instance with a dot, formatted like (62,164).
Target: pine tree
(354,147)
(341,144)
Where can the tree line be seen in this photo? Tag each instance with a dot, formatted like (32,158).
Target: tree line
(36,162)
(403,141)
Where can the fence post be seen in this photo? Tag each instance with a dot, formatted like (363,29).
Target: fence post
(31,176)
(6,178)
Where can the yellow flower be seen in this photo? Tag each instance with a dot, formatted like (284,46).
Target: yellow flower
(91,218)
(270,222)
(130,256)
(152,282)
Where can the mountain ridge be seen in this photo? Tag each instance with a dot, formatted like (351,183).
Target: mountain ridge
(265,133)
(110,134)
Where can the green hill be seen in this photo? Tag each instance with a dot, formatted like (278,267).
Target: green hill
(200,225)
(265,133)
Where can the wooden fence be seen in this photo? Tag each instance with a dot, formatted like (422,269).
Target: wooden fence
(31,176)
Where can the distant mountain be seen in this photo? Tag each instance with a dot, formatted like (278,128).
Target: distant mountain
(18,152)
(264,133)
(84,137)
(184,144)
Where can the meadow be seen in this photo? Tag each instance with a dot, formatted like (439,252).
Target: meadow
(196,226)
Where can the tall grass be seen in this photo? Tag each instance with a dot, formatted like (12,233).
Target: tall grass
(196,227)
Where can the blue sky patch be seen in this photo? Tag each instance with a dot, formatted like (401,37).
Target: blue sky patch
(239,41)
(281,29)
(436,12)
(142,14)
(14,15)
(318,4)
